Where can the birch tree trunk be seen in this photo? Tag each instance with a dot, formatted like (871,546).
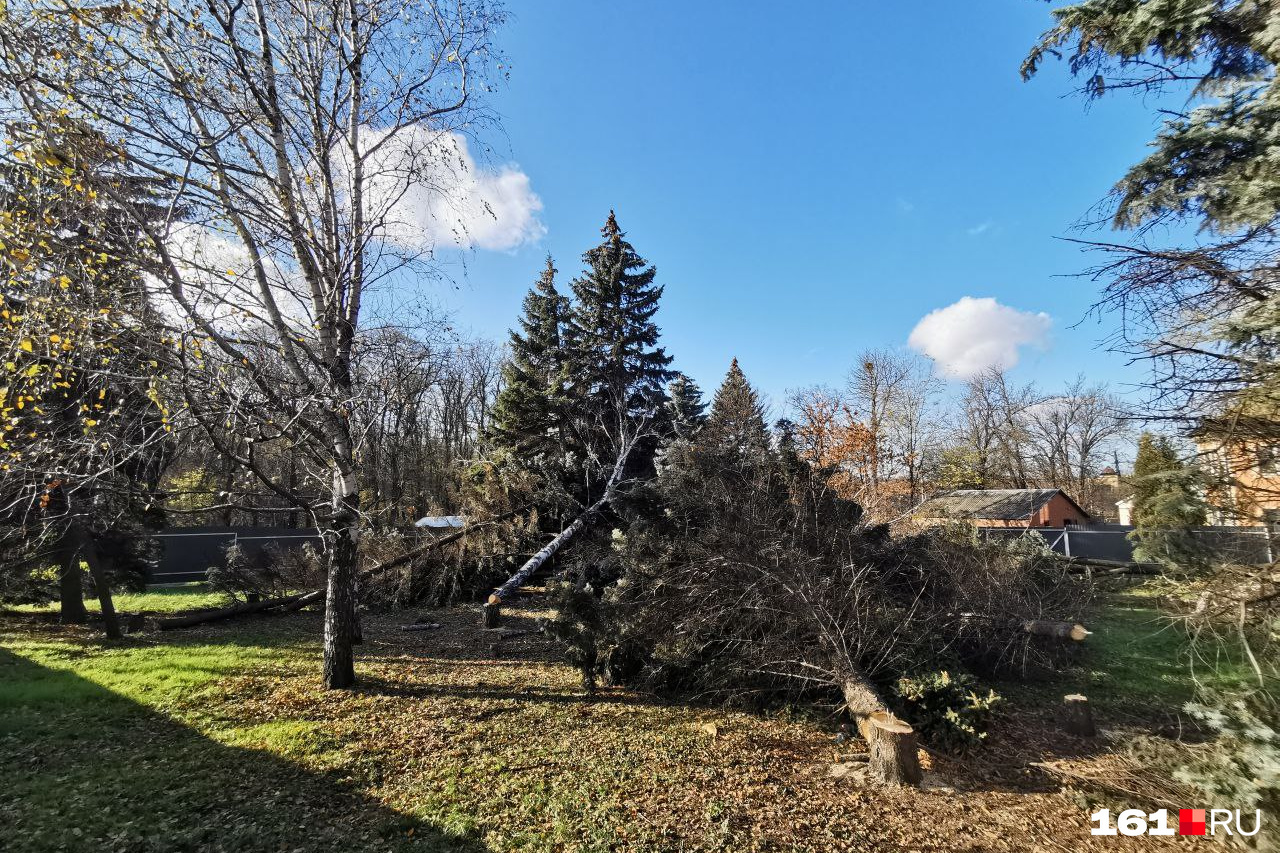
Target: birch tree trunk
(287,139)
(340,611)
(340,626)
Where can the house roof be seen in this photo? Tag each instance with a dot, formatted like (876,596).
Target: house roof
(1002,504)
(1239,427)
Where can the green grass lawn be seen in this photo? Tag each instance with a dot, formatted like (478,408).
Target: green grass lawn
(168,599)
(220,738)
(108,748)
(1139,665)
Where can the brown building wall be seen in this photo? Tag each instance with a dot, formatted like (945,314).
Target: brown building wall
(1242,491)
(1056,513)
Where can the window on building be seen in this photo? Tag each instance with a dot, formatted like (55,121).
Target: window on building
(1269,459)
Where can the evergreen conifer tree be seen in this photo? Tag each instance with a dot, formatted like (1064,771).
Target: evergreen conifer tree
(619,371)
(531,411)
(1167,506)
(685,407)
(1216,161)
(737,415)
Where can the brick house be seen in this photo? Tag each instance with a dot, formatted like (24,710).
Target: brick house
(1004,508)
(1241,458)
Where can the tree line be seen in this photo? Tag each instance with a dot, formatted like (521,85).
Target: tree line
(896,436)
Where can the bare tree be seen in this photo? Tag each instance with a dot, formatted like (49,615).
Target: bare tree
(873,434)
(1069,435)
(291,137)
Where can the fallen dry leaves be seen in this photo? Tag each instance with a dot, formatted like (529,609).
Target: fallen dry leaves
(491,742)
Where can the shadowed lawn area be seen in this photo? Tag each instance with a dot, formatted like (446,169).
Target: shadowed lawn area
(88,766)
(220,739)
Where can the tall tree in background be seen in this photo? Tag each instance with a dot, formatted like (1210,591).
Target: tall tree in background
(1069,435)
(736,424)
(687,411)
(83,429)
(619,372)
(831,438)
(286,137)
(872,436)
(532,411)
(1167,505)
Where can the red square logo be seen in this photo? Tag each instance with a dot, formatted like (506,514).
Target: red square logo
(1191,821)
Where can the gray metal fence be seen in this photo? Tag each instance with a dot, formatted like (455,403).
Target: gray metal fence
(1110,542)
(187,553)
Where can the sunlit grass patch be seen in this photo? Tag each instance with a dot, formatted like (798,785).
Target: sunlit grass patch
(169,599)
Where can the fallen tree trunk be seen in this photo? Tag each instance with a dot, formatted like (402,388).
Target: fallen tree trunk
(191,619)
(1101,566)
(548,551)
(1040,627)
(1058,630)
(290,603)
(891,743)
(490,613)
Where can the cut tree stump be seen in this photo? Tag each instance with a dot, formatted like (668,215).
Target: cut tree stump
(1058,630)
(491,614)
(892,745)
(1077,716)
(892,748)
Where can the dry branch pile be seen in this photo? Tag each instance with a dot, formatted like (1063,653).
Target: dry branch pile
(755,581)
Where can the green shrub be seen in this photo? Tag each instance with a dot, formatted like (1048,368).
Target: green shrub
(947,710)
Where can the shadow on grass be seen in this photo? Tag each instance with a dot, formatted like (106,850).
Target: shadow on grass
(86,768)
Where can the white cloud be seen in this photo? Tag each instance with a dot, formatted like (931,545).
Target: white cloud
(979,229)
(423,191)
(973,335)
(428,192)
(220,283)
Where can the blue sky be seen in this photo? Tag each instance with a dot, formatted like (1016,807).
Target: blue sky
(810,179)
